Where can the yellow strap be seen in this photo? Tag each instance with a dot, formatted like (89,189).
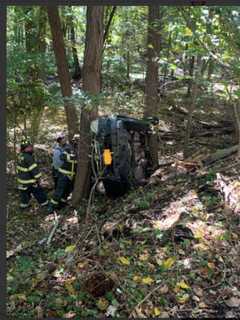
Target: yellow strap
(26,181)
(38,175)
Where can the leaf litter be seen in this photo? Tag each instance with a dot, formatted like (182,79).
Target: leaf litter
(175,254)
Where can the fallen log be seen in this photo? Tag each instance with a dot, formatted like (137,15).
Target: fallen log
(220,154)
(212,132)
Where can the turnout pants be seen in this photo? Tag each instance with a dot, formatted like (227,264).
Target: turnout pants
(63,189)
(26,193)
(55,174)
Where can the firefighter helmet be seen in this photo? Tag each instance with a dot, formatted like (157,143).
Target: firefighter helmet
(60,136)
(26,141)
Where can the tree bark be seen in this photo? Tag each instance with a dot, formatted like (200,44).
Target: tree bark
(189,120)
(62,67)
(237,119)
(107,28)
(77,74)
(191,71)
(92,86)
(35,45)
(151,97)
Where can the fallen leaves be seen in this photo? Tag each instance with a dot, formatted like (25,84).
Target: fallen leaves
(69,315)
(102,304)
(168,263)
(233,302)
(147,280)
(19,297)
(124,261)
(70,248)
(182,285)
(156,312)
(182,297)
(68,284)
(178,269)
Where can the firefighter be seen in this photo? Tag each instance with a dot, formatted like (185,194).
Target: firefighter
(28,176)
(58,150)
(65,181)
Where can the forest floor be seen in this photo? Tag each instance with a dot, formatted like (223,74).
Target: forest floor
(167,249)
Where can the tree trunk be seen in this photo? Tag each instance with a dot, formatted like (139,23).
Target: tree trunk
(77,74)
(128,65)
(209,31)
(42,30)
(62,67)
(191,71)
(191,97)
(151,97)
(189,120)
(91,85)
(108,24)
(35,45)
(237,120)
(40,48)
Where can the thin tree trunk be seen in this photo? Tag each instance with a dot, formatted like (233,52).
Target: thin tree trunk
(62,67)
(237,117)
(39,46)
(42,30)
(151,98)
(77,74)
(191,96)
(92,86)
(107,28)
(191,71)
(128,65)
(189,119)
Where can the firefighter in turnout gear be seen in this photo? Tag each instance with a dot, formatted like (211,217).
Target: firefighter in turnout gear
(65,181)
(28,177)
(58,150)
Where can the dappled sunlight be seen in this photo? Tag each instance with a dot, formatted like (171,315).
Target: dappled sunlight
(171,215)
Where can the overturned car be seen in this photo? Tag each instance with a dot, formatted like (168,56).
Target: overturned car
(120,152)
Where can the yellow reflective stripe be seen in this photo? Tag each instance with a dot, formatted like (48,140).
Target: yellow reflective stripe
(53,201)
(44,203)
(26,181)
(23,169)
(23,205)
(32,166)
(66,172)
(22,188)
(69,159)
(38,175)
